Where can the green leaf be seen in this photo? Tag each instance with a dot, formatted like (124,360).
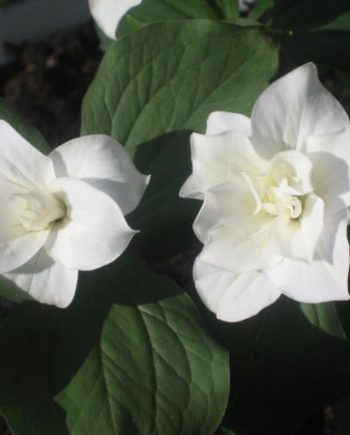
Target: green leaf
(308,33)
(105,41)
(324,317)
(129,356)
(260,9)
(284,368)
(25,401)
(305,14)
(150,85)
(157,11)
(161,210)
(327,44)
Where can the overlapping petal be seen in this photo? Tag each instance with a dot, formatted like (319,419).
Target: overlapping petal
(320,280)
(215,157)
(94,233)
(330,155)
(233,204)
(108,13)
(219,122)
(21,163)
(298,238)
(295,168)
(233,297)
(45,280)
(102,162)
(292,109)
(18,250)
(230,250)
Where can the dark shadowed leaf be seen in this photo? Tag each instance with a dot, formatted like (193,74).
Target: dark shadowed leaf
(284,367)
(128,356)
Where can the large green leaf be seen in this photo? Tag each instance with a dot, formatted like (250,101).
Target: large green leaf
(170,77)
(156,11)
(129,356)
(284,366)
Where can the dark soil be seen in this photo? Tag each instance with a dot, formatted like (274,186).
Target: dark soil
(47,80)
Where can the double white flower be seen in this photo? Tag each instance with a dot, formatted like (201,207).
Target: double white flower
(63,212)
(276,189)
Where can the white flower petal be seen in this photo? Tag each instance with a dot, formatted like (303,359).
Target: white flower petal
(45,280)
(215,158)
(296,168)
(18,250)
(95,232)
(297,239)
(20,162)
(233,297)
(219,122)
(319,281)
(330,155)
(230,250)
(293,108)
(17,245)
(234,203)
(108,13)
(102,162)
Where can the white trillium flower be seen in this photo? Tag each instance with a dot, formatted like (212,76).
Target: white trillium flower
(108,13)
(276,189)
(63,212)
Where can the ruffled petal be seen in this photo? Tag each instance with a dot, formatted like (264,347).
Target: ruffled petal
(230,250)
(20,162)
(297,239)
(293,108)
(215,158)
(295,168)
(18,250)
(319,281)
(233,204)
(102,162)
(330,155)
(108,13)
(233,297)
(219,122)
(45,280)
(94,233)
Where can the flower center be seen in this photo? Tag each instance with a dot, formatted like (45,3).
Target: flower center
(37,210)
(276,201)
